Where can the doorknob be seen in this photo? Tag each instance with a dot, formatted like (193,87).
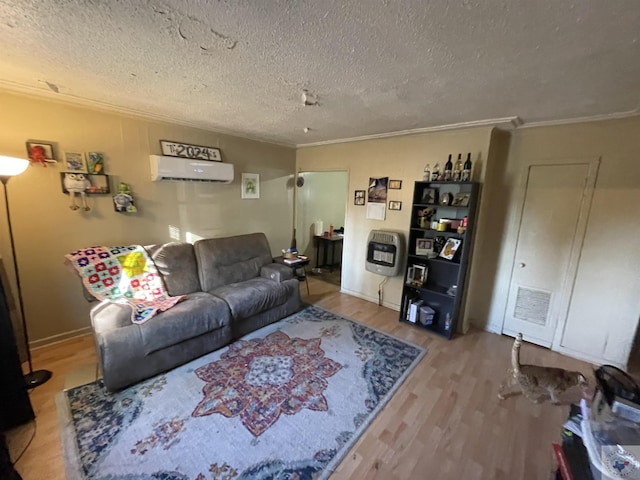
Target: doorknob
(522,265)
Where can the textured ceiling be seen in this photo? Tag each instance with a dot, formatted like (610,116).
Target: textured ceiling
(374,67)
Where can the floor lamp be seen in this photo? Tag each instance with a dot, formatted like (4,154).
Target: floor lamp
(10,167)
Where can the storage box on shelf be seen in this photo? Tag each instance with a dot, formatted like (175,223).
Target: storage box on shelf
(442,218)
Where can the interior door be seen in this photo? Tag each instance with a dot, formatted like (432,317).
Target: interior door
(556,203)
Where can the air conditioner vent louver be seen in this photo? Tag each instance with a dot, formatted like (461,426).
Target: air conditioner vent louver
(187,169)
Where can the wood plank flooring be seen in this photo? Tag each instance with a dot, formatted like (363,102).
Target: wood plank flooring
(444,422)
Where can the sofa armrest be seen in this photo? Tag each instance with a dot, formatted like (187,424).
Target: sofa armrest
(109,316)
(276,272)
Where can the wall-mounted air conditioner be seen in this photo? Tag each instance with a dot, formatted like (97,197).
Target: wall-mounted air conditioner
(187,169)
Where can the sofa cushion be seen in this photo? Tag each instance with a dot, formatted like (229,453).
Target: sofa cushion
(176,262)
(252,296)
(223,261)
(198,314)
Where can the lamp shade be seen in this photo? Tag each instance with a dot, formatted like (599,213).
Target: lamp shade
(11,166)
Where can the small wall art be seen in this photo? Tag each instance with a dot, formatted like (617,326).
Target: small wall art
(40,152)
(250,185)
(395,184)
(358,197)
(123,200)
(395,205)
(378,189)
(95,163)
(83,182)
(75,162)
(186,150)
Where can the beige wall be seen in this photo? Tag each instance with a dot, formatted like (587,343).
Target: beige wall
(399,158)
(605,305)
(45,229)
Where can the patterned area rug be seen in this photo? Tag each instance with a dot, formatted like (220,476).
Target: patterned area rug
(287,401)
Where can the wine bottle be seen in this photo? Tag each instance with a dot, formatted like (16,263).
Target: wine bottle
(466,170)
(457,169)
(448,167)
(435,173)
(426,176)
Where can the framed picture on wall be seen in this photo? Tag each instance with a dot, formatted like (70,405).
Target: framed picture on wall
(358,197)
(75,162)
(395,205)
(395,184)
(40,152)
(250,185)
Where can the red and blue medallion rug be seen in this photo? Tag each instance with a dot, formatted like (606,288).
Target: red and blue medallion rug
(286,401)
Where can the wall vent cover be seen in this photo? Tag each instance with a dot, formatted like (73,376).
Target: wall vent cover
(532,305)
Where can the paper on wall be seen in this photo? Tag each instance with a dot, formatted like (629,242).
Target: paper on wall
(376,211)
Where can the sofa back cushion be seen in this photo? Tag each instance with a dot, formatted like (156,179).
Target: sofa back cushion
(176,262)
(222,261)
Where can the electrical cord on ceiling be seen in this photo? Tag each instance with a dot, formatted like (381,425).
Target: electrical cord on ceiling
(380,290)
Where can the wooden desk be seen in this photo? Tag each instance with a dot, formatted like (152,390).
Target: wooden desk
(325,242)
(298,269)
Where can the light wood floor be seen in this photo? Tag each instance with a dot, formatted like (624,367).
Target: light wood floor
(445,422)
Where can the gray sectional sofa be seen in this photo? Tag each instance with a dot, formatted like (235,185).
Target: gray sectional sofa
(232,287)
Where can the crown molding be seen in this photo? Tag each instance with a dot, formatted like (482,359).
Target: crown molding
(508,123)
(68,99)
(592,118)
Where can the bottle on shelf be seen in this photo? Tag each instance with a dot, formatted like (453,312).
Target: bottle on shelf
(331,230)
(426,176)
(448,168)
(457,169)
(435,173)
(447,322)
(466,170)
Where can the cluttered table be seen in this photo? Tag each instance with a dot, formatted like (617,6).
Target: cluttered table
(297,264)
(601,439)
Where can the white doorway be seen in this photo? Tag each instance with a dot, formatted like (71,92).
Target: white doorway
(551,230)
(322,197)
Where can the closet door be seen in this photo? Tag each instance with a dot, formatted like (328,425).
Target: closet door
(552,224)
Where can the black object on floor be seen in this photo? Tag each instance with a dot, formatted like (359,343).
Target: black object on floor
(15,406)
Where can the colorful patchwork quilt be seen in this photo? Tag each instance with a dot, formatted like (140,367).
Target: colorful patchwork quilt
(123,275)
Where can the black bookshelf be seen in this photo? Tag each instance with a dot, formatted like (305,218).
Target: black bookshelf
(435,291)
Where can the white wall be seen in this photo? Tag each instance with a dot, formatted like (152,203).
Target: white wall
(605,305)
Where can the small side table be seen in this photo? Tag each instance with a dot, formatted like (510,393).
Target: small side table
(298,269)
(325,242)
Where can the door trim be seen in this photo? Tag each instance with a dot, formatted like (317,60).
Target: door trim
(566,290)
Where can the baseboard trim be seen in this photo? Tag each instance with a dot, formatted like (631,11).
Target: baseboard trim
(392,306)
(61,337)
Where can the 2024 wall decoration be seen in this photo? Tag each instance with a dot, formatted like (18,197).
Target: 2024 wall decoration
(186,150)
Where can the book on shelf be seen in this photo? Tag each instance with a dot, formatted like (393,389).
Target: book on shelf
(414,310)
